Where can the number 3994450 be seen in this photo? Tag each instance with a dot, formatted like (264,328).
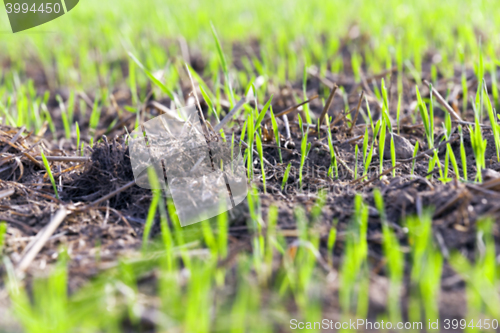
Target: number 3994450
(24,8)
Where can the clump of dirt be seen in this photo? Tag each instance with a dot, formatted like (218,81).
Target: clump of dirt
(108,170)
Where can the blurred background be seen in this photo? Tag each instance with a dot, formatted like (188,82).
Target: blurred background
(89,45)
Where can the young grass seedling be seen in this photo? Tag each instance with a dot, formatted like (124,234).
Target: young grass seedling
(77,136)
(250,130)
(49,172)
(222,233)
(393,156)
(262,114)
(385,107)
(95,116)
(427,266)
(356,162)
(369,157)
(449,151)
(304,151)
(153,179)
(64,117)
(464,92)
(415,151)
(223,62)
(285,176)
(276,134)
(479,95)
(493,121)
(3,230)
(354,263)
(71,106)
(381,145)
(398,114)
(479,147)
(427,119)
(395,259)
(463,155)
(258,143)
(332,238)
(272,219)
(150,75)
(365,145)
(333,158)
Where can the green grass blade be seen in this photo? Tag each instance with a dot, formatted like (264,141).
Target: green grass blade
(157,82)
(286,175)
(49,172)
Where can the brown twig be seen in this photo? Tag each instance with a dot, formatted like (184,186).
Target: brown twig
(120,215)
(7,193)
(451,202)
(200,111)
(77,159)
(74,167)
(289,141)
(230,115)
(46,233)
(328,104)
(166,111)
(108,196)
(443,102)
(18,223)
(14,139)
(292,108)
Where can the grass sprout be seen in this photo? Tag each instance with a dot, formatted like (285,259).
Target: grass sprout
(333,158)
(463,155)
(64,117)
(332,238)
(356,161)
(258,143)
(398,114)
(479,148)
(354,264)
(3,230)
(77,128)
(494,124)
(276,134)
(427,266)
(49,172)
(223,62)
(153,179)
(381,146)
(286,175)
(395,259)
(150,75)
(393,156)
(251,136)
(415,152)
(427,119)
(304,151)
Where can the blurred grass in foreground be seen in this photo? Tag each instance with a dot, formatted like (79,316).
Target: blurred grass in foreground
(85,46)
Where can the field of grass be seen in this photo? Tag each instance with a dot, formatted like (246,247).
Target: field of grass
(375,199)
